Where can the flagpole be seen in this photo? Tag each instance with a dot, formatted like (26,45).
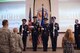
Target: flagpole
(42,21)
(50,11)
(34,8)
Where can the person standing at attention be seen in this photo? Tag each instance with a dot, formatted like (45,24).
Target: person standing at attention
(54,28)
(23,30)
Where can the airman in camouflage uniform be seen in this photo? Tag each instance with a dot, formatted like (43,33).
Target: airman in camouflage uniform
(6,40)
(18,41)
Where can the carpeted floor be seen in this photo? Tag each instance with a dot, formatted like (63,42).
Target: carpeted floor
(49,51)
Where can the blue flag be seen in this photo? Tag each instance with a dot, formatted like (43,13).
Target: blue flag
(42,21)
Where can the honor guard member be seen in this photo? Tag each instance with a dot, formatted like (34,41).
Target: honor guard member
(35,33)
(24,32)
(54,27)
(45,34)
(77,33)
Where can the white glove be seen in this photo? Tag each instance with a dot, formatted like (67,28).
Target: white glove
(42,28)
(54,28)
(53,33)
(22,29)
(31,26)
(27,31)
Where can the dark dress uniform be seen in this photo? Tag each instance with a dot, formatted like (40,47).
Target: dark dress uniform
(76,35)
(53,35)
(24,32)
(35,34)
(45,36)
